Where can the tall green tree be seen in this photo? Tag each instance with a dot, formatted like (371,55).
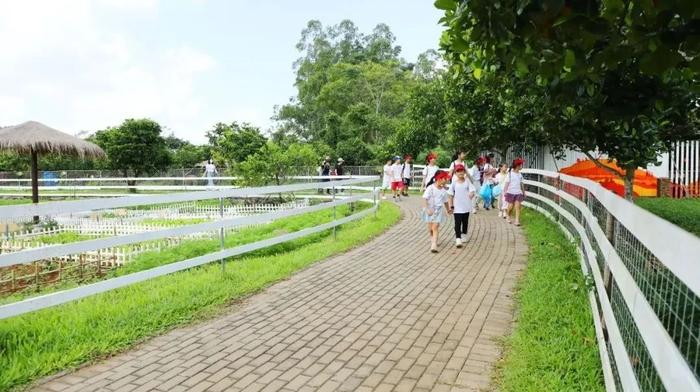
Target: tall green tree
(233,143)
(618,76)
(272,164)
(135,148)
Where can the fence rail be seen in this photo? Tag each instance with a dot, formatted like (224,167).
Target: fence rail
(32,255)
(646,275)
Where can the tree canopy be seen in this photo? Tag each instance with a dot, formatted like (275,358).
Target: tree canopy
(136,147)
(615,77)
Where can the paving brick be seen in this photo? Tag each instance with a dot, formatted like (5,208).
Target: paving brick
(385,316)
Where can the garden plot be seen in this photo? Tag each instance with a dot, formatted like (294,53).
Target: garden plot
(94,264)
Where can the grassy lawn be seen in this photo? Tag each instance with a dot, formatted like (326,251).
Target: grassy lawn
(44,342)
(553,346)
(681,212)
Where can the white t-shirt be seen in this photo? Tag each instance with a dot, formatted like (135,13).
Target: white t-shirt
(460,191)
(500,178)
(476,174)
(513,182)
(436,197)
(209,168)
(452,169)
(406,170)
(396,170)
(429,172)
(387,174)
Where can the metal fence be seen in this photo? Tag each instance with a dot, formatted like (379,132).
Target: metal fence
(646,275)
(66,207)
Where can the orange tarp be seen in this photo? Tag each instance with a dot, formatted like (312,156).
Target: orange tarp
(645,183)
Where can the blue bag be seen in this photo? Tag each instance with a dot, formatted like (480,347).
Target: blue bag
(486,193)
(496,191)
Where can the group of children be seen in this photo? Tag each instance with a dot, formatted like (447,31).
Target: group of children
(457,192)
(397,176)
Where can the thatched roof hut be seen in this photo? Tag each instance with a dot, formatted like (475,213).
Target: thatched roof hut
(36,138)
(33,136)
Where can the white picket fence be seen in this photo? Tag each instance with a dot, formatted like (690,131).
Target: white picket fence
(108,257)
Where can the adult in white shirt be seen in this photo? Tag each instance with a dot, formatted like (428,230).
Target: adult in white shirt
(429,170)
(458,160)
(461,193)
(209,172)
(514,190)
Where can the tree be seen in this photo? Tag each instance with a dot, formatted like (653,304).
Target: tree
(343,71)
(617,77)
(135,147)
(233,143)
(273,164)
(354,151)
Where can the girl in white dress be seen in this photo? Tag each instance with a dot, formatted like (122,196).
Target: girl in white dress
(435,206)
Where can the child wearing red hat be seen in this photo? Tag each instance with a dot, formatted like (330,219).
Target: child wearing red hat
(434,202)
(514,190)
(461,193)
(429,170)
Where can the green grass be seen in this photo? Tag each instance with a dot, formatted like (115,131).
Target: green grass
(44,342)
(553,346)
(63,238)
(10,202)
(684,213)
(172,222)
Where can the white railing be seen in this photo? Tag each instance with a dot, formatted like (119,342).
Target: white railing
(139,183)
(646,275)
(32,255)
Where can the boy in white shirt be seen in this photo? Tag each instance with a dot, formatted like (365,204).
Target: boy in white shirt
(396,178)
(407,174)
(461,193)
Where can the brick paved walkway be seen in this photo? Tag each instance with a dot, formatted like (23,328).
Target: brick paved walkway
(386,316)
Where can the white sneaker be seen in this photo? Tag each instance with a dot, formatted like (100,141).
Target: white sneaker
(458,242)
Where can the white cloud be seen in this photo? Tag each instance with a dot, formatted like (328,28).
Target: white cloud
(63,66)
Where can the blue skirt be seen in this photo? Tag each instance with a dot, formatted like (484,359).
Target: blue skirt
(437,217)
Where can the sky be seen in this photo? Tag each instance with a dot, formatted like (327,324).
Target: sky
(84,65)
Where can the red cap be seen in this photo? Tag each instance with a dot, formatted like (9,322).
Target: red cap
(459,167)
(518,162)
(431,156)
(480,160)
(442,175)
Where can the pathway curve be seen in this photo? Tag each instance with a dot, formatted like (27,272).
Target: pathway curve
(385,316)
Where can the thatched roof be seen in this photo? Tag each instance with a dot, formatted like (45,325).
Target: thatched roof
(32,135)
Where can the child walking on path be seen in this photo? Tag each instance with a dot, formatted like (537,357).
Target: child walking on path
(514,190)
(434,202)
(500,180)
(396,178)
(407,173)
(461,193)
(429,170)
(386,178)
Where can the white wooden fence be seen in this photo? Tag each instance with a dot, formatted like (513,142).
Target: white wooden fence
(646,274)
(66,207)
